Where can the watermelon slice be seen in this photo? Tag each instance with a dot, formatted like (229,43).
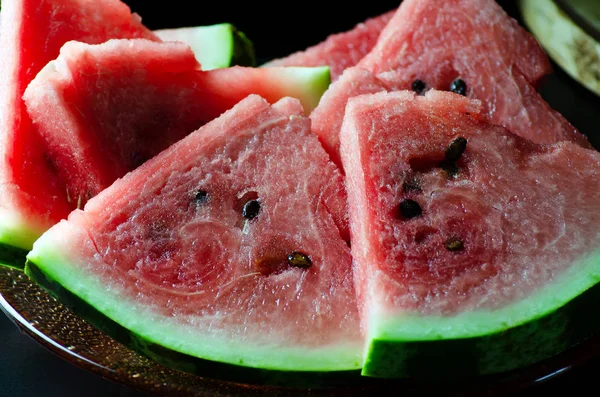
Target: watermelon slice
(339,51)
(228,246)
(31,34)
(572,40)
(476,251)
(100,117)
(470,46)
(215,46)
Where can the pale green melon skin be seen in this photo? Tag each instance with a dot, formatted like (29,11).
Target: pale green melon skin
(553,319)
(163,338)
(308,84)
(215,46)
(569,45)
(16,239)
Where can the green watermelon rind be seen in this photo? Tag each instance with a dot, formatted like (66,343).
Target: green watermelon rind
(12,256)
(243,49)
(16,239)
(177,346)
(568,44)
(216,46)
(308,84)
(555,318)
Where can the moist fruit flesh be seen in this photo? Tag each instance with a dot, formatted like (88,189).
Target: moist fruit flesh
(100,117)
(502,260)
(31,34)
(169,254)
(470,40)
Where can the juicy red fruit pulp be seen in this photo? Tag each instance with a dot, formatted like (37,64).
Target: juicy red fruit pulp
(456,214)
(32,35)
(190,243)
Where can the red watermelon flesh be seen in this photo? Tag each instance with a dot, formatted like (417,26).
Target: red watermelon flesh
(327,118)
(472,40)
(192,265)
(105,109)
(31,35)
(503,220)
(342,50)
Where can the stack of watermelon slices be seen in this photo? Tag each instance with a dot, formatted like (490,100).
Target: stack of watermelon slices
(397,225)
(40,182)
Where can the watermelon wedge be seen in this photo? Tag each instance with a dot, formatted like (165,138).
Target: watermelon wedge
(470,47)
(476,251)
(101,118)
(339,51)
(215,46)
(229,246)
(31,34)
(572,40)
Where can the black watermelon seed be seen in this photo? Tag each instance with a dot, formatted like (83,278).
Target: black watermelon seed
(410,209)
(454,244)
(201,196)
(418,86)
(298,259)
(455,150)
(450,168)
(459,86)
(251,209)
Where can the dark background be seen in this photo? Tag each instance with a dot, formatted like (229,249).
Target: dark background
(28,370)
(276,29)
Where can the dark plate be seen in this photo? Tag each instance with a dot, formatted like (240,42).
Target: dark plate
(56,328)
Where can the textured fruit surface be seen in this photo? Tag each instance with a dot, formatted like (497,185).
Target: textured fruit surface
(469,46)
(228,246)
(459,228)
(32,33)
(342,50)
(105,109)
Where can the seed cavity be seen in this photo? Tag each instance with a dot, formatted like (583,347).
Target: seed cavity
(459,86)
(411,185)
(410,209)
(251,209)
(268,265)
(201,197)
(418,86)
(423,234)
(454,244)
(298,259)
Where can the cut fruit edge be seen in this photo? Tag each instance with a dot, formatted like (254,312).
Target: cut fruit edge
(308,84)
(16,239)
(215,46)
(569,45)
(155,329)
(479,330)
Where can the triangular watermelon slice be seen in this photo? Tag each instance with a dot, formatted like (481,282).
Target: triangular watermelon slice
(341,50)
(476,251)
(105,109)
(469,46)
(224,247)
(31,34)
